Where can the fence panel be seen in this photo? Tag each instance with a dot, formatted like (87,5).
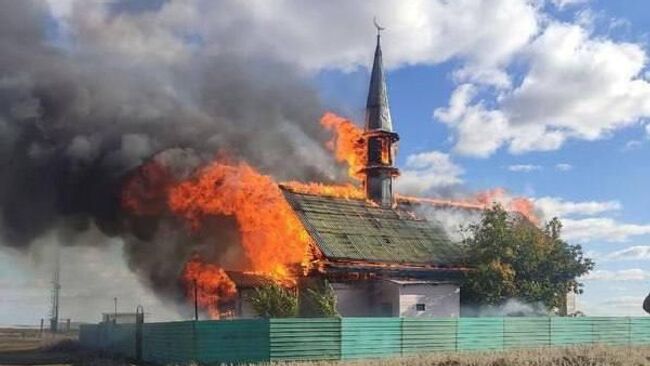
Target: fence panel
(611,330)
(172,342)
(480,333)
(640,330)
(428,335)
(370,337)
(89,335)
(526,332)
(227,341)
(305,339)
(244,341)
(571,331)
(122,339)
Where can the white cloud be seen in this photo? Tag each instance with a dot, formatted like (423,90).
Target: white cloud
(426,171)
(615,305)
(563,3)
(632,144)
(524,168)
(601,228)
(632,274)
(558,207)
(563,167)
(479,131)
(637,252)
(580,221)
(574,85)
(577,86)
(588,86)
(333,34)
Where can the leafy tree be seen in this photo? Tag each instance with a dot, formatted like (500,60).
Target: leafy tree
(514,259)
(274,301)
(317,299)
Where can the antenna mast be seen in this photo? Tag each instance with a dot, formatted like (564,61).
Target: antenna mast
(56,289)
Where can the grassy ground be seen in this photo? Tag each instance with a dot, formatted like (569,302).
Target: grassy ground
(12,339)
(26,347)
(579,356)
(29,347)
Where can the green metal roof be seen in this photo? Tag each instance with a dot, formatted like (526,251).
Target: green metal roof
(357,230)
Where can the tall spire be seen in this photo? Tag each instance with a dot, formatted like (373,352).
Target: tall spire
(377,110)
(381,139)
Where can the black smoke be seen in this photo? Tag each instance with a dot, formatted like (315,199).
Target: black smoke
(77,116)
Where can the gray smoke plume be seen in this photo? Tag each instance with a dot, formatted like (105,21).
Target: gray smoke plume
(511,308)
(81,106)
(452,219)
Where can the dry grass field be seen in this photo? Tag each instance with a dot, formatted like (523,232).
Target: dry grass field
(578,356)
(25,347)
(28,347)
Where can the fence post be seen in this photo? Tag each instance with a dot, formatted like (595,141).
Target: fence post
(139,324)
(401,336)
(457,320)
(194,350)
(503,330)
(340,338)
(629,330)
(550,331)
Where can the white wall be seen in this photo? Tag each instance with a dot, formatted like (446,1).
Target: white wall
(440,300)
(388,295)
(352,299)
(386,298)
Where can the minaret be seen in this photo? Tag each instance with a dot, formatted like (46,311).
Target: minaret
(379,133)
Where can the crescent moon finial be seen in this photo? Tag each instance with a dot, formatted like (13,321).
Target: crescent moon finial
(379,27)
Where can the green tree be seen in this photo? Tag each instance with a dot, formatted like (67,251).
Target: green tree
(514,259)
(317,299)
(274,301)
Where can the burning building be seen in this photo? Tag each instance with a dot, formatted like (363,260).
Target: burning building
(379,256)
(245,230)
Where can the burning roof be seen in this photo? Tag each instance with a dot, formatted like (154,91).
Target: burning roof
(349,229)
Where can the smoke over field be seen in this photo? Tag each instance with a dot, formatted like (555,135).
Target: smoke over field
(79,112)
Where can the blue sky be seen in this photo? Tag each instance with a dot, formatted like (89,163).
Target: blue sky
(611,168)
(549,99)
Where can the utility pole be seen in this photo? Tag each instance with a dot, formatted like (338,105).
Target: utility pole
(56,288)
(115,310)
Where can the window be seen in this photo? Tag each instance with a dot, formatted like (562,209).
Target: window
(420,307)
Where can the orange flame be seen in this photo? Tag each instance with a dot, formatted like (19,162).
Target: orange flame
(145,191)
(347,143)
(385,153)
(347,191)
(213,285)
(483,200)
(271,235)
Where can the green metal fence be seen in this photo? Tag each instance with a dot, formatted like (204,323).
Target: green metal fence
(305,339)
(245,341)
